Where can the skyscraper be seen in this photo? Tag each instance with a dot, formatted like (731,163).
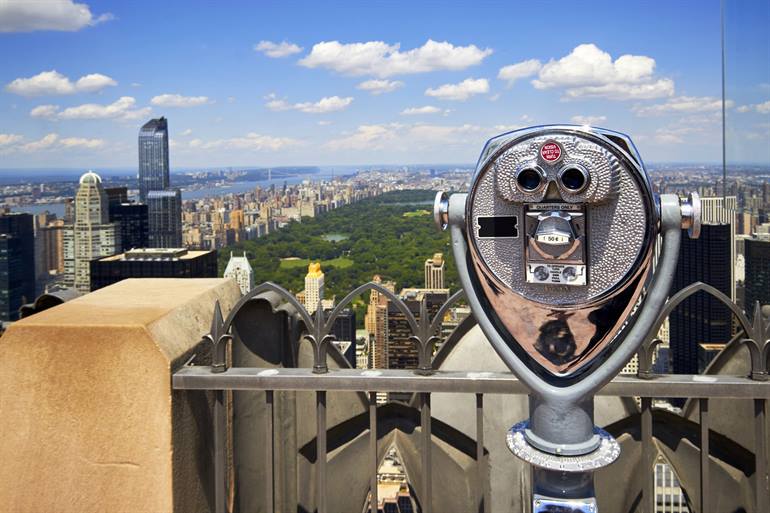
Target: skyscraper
(153,157)
(376,324)
(701,319)
(165,218)
(17,264)
(314,286)
(434,272)
(757,273)
(153,263)
(402,352)
(133,222)
(91,236)
(238,267)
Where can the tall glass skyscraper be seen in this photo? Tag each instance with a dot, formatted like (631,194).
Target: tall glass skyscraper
(17,264)
(165,218)
(153,157)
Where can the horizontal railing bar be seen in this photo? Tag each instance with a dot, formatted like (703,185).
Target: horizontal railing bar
(399,380)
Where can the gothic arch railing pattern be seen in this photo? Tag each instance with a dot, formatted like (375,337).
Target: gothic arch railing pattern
(424,329)
(319,328)
(757,333)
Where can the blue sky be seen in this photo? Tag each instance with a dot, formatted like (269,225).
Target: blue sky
(399,82)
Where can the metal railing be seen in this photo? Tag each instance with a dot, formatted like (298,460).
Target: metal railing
(426,380)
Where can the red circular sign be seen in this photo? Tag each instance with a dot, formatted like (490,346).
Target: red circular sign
(550,151)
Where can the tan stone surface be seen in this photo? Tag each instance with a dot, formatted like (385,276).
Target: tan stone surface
(88,420)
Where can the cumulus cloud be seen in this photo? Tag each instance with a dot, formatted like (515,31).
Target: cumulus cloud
(682,105)
(762,108)
(41,144)
(177,100)
(322,106)
(9,139)
(277,50)
(251,141)
(461,91)
(187,132)
(427,109)
(523,69)
(64,15)
(54,83)
(589,71)
(393,136)
(588,120)
(44,111)
(379,59)
(376,86)
(80,142)
(122,109)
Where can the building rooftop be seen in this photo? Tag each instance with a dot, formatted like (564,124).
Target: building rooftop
(155,254)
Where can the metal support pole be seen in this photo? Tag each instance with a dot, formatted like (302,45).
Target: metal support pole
(373,451)
(760,453)
(269,456)
(648,495)
(427,470)
(704,455)
(321,451)
(480,468)
(220,452)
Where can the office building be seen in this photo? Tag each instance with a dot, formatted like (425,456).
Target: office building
(376,325)
(164,210)
(314,286)
(701,319)
(153,157)
(91,236)
(133,223)
(17,264)
(239,268)
(153,263)
(402,352)
(757,284)
(434,272)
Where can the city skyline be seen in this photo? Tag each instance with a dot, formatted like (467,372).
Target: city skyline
(268,90)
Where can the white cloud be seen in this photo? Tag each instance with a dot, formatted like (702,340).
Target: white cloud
(683,104)
(588,120)
(322,106)
(744,108)
(177,100)
(277,50)
(28,16)
(461,91)
(376,86)
(79,142)
(589,71)
(44,111)
(523,69)
(324,122)
(379,59)
(409,137)
(9,139)
(122,109)
(763,108)
(41,144)
(54,83)
(428,109)
(251,141)
(187,132)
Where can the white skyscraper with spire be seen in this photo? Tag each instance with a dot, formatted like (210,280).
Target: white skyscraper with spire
(238,267)
(91,236)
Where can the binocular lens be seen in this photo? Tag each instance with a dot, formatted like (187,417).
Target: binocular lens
(529,179)
(573,179)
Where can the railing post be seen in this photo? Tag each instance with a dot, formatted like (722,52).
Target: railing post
(321,451)
(427,470)
(760,453)
(480,468)
(648,494)
(704,455)
(373,451)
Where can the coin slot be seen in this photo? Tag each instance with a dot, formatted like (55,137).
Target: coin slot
(498,226)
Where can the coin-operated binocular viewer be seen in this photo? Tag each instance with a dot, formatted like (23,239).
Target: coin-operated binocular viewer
(554,245)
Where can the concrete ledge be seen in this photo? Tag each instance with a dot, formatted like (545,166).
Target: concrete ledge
(88,418)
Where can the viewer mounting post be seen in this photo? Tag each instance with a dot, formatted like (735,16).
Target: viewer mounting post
(554,245)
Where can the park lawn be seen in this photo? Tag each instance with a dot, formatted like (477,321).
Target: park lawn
(339,262)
